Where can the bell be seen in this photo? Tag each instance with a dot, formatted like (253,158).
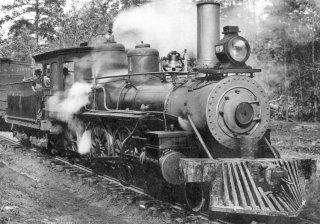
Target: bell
(173,62)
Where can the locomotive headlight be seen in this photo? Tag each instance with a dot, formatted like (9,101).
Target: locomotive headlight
(232,48)
(238,49)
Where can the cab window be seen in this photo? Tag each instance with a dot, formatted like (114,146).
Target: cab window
(68,75)
(46,78)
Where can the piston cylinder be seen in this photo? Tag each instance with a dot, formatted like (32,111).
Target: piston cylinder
(167,164)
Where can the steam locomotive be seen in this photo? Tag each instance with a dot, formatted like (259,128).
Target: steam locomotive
(203,129)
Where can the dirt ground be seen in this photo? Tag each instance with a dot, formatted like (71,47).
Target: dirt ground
(296,137)
(32,193)
(301,140)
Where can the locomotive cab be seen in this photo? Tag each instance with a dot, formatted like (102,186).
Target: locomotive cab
(31,112)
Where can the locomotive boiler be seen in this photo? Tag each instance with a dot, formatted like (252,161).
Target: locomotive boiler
(202,129)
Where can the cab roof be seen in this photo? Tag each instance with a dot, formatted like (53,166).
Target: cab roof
(108,46)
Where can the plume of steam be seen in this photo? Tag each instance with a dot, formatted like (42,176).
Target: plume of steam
(106,63)
(167,25)
(63,106)
(77,97)
(85,143)
(101,64)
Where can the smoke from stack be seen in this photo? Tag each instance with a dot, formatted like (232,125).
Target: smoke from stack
(167,25)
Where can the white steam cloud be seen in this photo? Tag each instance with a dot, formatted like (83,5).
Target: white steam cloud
(76,98)
(167,25)
(63,106)
(85,143)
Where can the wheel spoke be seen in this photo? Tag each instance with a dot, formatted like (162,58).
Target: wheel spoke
(101,142)
(70,141)
(121,135)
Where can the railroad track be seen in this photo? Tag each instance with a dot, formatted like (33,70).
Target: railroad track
(134,196)
(170,213)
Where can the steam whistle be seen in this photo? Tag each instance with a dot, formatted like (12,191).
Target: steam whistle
(173,62)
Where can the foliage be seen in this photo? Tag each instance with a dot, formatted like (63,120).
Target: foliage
(284,40)
(16,46)
(34,23)
(126,4)
(81,25)
(41,25)
(292,40)
(42,16)
(284,36)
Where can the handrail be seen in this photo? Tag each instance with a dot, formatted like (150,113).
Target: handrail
(199,137)
(126,111)
(148,73)
(104,97)
(104,101)
(22,118)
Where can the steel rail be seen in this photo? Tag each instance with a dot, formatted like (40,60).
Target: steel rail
(139,191)
(113,180)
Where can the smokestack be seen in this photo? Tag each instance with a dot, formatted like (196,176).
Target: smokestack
(208,28)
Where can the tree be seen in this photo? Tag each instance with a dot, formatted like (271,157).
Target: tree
(91,20)
(21,46)
(126,4)
(288,38)
(43,15)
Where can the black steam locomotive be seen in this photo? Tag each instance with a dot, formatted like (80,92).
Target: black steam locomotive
(203,129)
